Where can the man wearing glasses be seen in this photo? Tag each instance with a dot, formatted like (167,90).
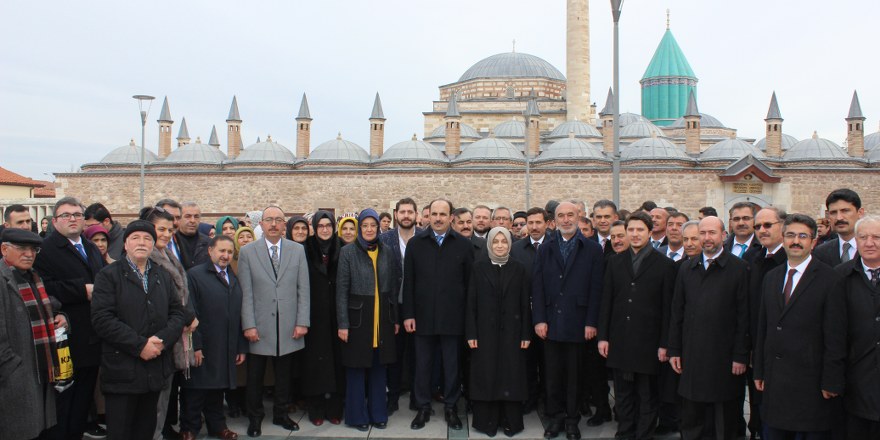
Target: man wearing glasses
(742,222)
(68,265)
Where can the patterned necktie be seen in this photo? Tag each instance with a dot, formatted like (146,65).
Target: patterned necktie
(786,292)
(742,250)
(674,256)
(439,240)
(875,276)
(82,251)
(655,243)
(844,257)
(222,275)
(709,262)
(276,264)
(536,244)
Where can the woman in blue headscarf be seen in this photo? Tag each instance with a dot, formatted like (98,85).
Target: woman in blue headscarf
(366,313)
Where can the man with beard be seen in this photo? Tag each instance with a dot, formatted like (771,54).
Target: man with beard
(604,214)
(482,221)
(844,208)
(742,220)
(658,235)
(673,249)
(396,241)
(462,222)
(193,245)
(617,237)
(708,335)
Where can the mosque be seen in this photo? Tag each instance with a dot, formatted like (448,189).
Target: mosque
(514,131)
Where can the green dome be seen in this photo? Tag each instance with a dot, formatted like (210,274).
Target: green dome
(667,83)
(668,60)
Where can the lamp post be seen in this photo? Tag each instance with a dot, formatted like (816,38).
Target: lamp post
(616,9)
(142,101)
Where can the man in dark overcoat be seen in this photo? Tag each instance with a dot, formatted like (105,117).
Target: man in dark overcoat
(708,334)
(637,289)
(844,208)
(566,294)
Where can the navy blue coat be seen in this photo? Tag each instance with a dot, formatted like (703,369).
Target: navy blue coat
(567,296)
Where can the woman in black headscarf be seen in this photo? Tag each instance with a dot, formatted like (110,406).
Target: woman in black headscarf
(323,378)
(298,229)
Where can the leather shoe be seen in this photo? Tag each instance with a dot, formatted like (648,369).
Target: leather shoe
(552,430)
(317,422)
(510,432)
(598,419)
(421,418)
(286,423)
(572,432)
(335,421)
(255,428)
(380,425)
(452,419)
(225,434)
(186,435)
(363,428)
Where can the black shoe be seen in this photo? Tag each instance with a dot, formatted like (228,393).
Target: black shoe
(510,432)
(572,432)
(392,407)
(95,431)
(170,434)
(421,418)
(452,419)
(380,425)
(363,428)
(552,430)
(286,423)
(255,428)
(598,419)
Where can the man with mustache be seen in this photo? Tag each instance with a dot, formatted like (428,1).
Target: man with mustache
(844,208)
(617,237)
(742,221)
(462,222)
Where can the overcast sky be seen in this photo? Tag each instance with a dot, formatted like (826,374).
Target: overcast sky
(68,69)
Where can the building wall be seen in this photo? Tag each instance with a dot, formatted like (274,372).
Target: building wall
(16,192)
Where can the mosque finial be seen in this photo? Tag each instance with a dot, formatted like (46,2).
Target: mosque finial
(667,19)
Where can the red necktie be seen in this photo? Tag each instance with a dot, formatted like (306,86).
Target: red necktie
(786,292)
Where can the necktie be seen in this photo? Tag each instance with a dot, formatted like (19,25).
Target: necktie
(536,245)
(709,262)
(674,256)
(655,243)
(604,244)
(844,257)
(275,263)
(82,252)
(786,292)
(173,246)
(742,250)
(769,255)
(875,276)
(222,275)
(439,240)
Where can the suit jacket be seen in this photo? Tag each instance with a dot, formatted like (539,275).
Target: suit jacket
(631,318)
(755,244)
(801,348)
(760,266)
(523,251)
(608,250)
(391,241)
(709,327)
(566,295)
(65,275)
(829,252)
(862,395)
(274,305)
(665,251)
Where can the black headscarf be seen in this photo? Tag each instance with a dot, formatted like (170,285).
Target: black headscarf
(292,221)
(323,254)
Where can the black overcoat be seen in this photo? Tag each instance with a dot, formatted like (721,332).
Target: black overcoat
(124,317)
(320,360)
(862,395)
(435,282)
(498,317)
(219,334)
(801,348)
(761,266)
(65,275)
(355,302)
(709,327)
(631,317)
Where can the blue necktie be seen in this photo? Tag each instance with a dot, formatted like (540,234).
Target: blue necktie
(439,240)
(742,250)
(655,243)
(82,252)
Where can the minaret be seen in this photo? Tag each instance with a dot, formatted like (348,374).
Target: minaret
(165,123)
(607,117)
(453,127)
(533,129)
(213,141)
(377,129)
(855,128)
(303,129)
(233,131)
(577,61)
(692,126)
(773,127)
(183,134)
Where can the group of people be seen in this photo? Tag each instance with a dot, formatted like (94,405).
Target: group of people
(168,316)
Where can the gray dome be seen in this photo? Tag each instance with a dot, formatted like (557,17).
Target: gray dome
(872,141)
(815,148)
(580,129)
(127,155)
(640,130)
(196,153)
(652,148)
(706,121)
(571,148)
(732,149)
(630,118)
(490,149)
(268,151)
(512,65)
(510,129)
(414,150)
(873,155)
(787,142)
(339,150)
(467,132)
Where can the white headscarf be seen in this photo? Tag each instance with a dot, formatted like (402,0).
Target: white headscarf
(491,236)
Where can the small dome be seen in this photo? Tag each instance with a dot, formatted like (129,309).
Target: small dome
(128,155)
(467,132)
(512,129)
(731,149)
(652,148)
(706,121)
(640,130)
(268,151)
(414,150)
(196,153)
(339,150)
(512,65)
(580,129)
(872,141)
(571,148)
(873,155)
(787,142)
(815,148)
(490,149)
(630,118)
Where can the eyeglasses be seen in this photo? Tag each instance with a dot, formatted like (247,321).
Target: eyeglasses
(271,220)
(67,216)
(767,225)
(741,219)
(802,236)
(327,226)
(34,249)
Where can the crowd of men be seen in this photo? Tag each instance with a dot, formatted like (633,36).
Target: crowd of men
(682,316)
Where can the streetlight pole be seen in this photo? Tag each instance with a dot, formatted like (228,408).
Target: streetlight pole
(616,9)
(148,101)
